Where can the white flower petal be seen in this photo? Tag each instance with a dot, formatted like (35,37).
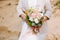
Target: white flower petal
(33,24)
(36,20)
(41,14)
(31,19)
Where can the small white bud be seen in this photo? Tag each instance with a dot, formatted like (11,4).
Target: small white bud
(36,20)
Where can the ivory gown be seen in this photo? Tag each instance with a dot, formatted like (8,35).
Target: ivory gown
(26,33)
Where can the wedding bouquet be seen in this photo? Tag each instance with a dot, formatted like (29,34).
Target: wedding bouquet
(34,19)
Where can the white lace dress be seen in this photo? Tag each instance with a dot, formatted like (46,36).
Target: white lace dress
(26,32)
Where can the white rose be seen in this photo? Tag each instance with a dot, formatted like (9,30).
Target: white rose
(31,19)
(36,20)
(41,14)
(33,24)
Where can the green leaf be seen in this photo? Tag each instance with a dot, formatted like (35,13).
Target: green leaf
(29,23)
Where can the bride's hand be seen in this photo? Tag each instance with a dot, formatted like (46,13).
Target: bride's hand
(45,18)
(23,16)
